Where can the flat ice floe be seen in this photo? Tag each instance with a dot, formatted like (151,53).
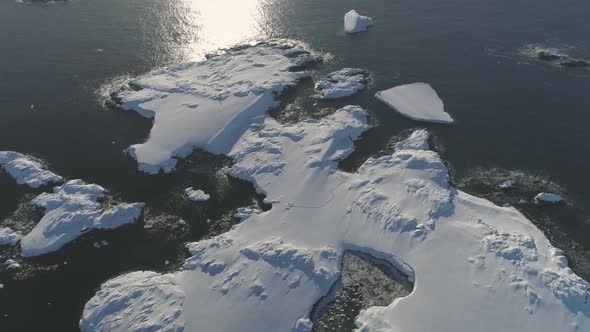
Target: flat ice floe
(417,101)
(196,195)
(476,266)
(547,198)
(26,170)
(8,236)
(342,83)
(353,22)
(209,104)
(70,211)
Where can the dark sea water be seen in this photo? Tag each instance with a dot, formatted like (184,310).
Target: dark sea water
(515,116)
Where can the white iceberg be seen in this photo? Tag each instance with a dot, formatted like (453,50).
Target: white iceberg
(547,198)
(476,266)
(353,22)
(342,83)
(209,104)
(26,170)
(196,195)
(417,101)
(71,210)
(418,140)
(8,236)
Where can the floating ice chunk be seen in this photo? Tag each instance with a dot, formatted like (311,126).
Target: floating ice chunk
(230,90)
(11,264)
(71,210)
(506,184)
(342,83)
(417,101)
(8,236)
(26,170)
(196,195)
(547,198)
(353,22)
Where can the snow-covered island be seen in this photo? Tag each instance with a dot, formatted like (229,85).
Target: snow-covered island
(26,170)
(476,266)
(417,101)
(342,83)
(196,195)
(70,211)
(354,22)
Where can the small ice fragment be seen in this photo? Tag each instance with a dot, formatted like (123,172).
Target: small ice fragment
(104,243)
(96,245)
(196,195)
(547,198)
(99,50)
(506,184)
(353,22)
(8,236)
(11,264)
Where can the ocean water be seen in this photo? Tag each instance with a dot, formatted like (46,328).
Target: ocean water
(516,117)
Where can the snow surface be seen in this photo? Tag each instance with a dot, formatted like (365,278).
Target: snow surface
(547,198)
(196,195)
(8,236)
(342,83)
(476,266)
(417,101)
(71,210)
(26,170)
(209,104)
(353,22)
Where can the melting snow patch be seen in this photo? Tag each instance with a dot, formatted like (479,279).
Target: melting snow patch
(417,101)
(353,22)
(342,83)
(71,210)
(8,236)
(26,170)
(196,195)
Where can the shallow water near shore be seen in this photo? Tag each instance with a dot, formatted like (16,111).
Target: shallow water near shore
(512,112)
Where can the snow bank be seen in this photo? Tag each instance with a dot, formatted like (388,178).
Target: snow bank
(353,22)
(476,266)
(196,195)
(209,104)
(342,83)
(71,210)
(26,170)
(547,198)
(417,101)
(8,236)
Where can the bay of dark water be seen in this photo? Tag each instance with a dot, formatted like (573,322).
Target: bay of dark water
(512,113)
